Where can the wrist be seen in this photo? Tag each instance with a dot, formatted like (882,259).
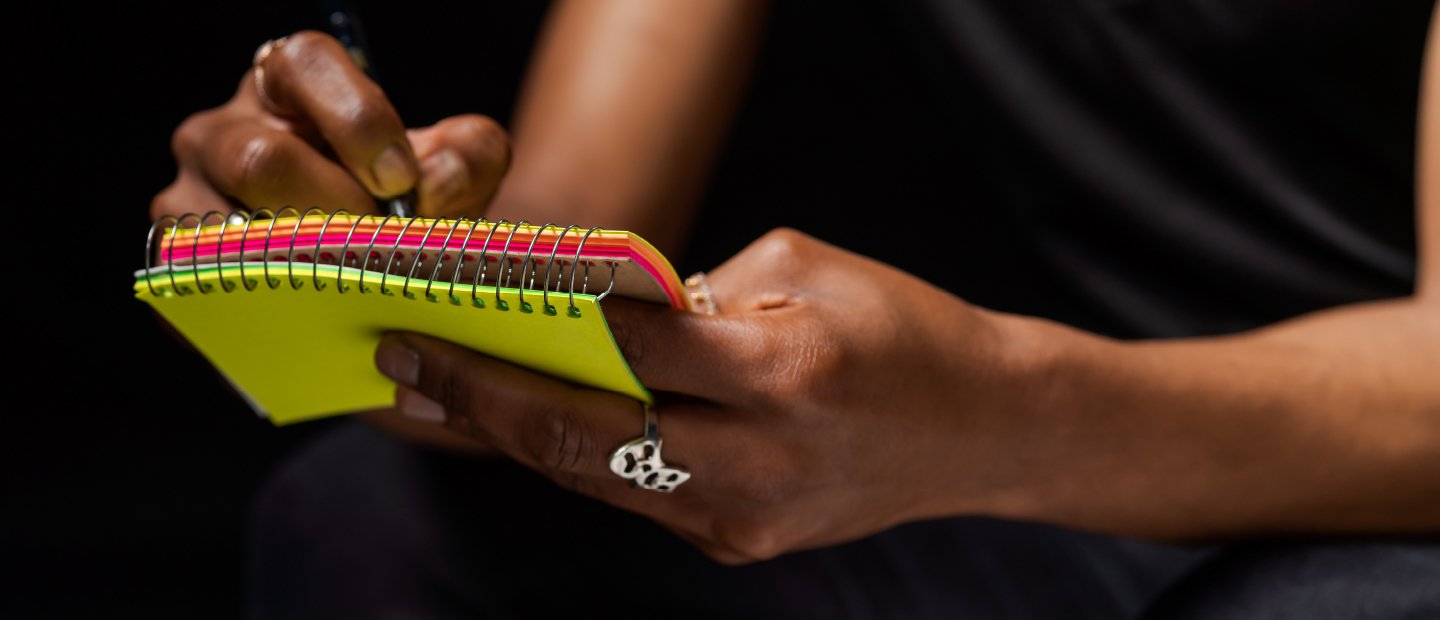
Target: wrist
(1040,431)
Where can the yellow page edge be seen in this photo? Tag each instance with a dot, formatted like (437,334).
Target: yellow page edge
(211,274)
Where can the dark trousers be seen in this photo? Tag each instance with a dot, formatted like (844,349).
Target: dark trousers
(361,525)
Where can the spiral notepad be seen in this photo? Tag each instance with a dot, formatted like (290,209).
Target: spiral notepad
(289,307)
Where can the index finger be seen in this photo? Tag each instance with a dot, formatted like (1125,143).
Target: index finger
(310,77)
(717,358)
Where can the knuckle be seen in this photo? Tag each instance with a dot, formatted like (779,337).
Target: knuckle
(261,159)
(556,439)
(783,242)
(167,202)
(754,539)
(192,134)
(483,134)
(786,254)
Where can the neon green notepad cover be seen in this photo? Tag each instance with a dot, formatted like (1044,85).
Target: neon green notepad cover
(300,354)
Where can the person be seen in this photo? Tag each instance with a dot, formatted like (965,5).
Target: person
(840,417)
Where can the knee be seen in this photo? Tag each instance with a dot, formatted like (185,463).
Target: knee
(353,491)
(341,529)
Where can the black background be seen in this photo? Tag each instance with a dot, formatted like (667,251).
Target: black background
(130,465)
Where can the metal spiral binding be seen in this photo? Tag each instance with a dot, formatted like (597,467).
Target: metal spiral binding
(440,260)
(502,264)
(315,254)
(385,273)
(420,253)
(455,277)
(529,252)
(370,247)
(545,290)
(150,252)
(195,252)
(586,286)
(482,265)
(504,276)
(265,252)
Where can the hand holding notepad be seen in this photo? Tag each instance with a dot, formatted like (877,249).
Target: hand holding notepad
(289,309)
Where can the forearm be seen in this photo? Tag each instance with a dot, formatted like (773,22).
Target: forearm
(625,107)
(1329,422)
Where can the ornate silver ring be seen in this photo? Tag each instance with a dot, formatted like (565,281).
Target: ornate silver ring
(638,460)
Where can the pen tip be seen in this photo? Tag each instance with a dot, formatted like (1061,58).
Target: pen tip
(402,207)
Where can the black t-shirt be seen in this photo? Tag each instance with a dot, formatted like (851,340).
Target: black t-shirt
(1142,168)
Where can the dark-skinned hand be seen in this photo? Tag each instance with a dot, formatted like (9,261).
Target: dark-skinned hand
(820,404)
(324,135)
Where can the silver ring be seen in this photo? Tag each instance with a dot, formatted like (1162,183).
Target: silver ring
(638,460)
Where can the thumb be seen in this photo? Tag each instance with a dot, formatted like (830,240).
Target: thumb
(462,160)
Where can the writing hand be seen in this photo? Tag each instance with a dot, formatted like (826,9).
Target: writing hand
(312,130)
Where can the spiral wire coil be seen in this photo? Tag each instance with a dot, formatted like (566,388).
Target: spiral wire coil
(504,266)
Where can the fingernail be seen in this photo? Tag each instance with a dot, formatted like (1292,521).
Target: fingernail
(415,406)
(398,362)
(393,172)
(442,178)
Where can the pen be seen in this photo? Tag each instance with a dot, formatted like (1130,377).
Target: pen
(345,27)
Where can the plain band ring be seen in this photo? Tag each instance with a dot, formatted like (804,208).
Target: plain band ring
(638,460)
(261,53)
